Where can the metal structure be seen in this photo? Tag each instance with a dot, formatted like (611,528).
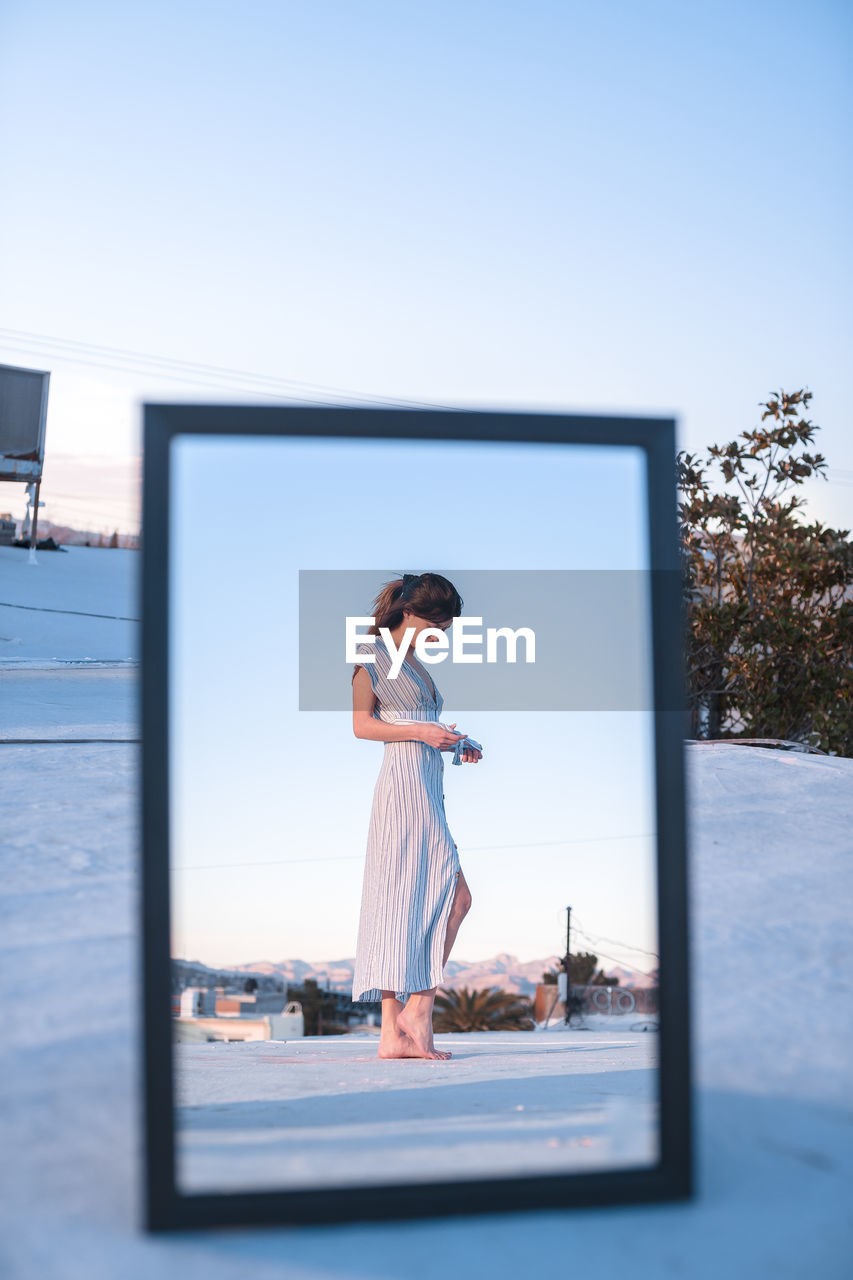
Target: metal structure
(23,418)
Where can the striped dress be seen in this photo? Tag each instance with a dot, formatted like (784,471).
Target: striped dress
(412,861)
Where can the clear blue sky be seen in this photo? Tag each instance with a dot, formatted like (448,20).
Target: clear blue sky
(271,804)
(561,204)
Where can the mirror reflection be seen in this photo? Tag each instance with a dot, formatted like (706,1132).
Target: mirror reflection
(412,823)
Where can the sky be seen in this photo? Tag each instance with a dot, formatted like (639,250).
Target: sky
(271,803)
(551,205)
(555,206)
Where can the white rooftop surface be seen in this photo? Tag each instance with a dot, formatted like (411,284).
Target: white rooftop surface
(771,901)
(75,672)
(325,1110)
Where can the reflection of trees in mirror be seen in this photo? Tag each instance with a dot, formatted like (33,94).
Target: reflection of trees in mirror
(319,1008)
(584,970)
(489,1010)
(768,642)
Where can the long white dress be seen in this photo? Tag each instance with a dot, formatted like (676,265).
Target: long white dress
(412,861)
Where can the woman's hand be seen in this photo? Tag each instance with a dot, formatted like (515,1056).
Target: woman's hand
(470,755)
(435,735)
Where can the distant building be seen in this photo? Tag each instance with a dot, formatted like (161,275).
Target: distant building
(288,1024)
(198,1002)
(244,1004)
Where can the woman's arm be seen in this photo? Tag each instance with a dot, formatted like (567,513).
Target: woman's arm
(366,725)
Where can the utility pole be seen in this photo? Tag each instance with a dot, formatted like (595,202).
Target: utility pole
(34,526)
(568,965)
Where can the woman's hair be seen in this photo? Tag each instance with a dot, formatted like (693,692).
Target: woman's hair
(429,595)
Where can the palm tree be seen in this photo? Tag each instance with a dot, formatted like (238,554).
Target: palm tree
(489,1010)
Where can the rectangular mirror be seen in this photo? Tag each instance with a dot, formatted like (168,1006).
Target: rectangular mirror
(361,928)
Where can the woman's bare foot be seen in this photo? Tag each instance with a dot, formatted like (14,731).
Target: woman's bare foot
(396,1044)
(393,1043)
(418,1030)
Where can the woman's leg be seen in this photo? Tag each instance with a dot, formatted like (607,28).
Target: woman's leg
(393,1042)
(406,1030)
(415,1018)
(459,910)
(391,1006)
(415,1021)
(412,1022)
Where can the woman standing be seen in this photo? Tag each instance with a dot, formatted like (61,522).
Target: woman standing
(414,894)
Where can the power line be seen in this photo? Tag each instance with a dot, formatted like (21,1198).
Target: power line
(57,742)
(605,956)
(51,495)
(50,500)
(350,857)
(189,371)
(597,937)
(273,862)
(626,946)
(185,379)
(616,943)
(92,519)
(616,960)
(74,517)
(81,613)
(169,362)
(540,844)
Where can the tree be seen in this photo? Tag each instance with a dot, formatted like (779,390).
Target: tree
(768,608)
(584,972)
(251,984)
(488,1010)
(319,1008)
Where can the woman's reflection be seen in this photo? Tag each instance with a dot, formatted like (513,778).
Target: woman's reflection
(414,895)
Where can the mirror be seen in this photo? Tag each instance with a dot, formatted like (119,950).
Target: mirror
(334,865)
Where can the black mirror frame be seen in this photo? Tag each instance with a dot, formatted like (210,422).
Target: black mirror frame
(164,1206)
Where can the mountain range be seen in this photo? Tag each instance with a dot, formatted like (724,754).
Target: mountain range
(504,970)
